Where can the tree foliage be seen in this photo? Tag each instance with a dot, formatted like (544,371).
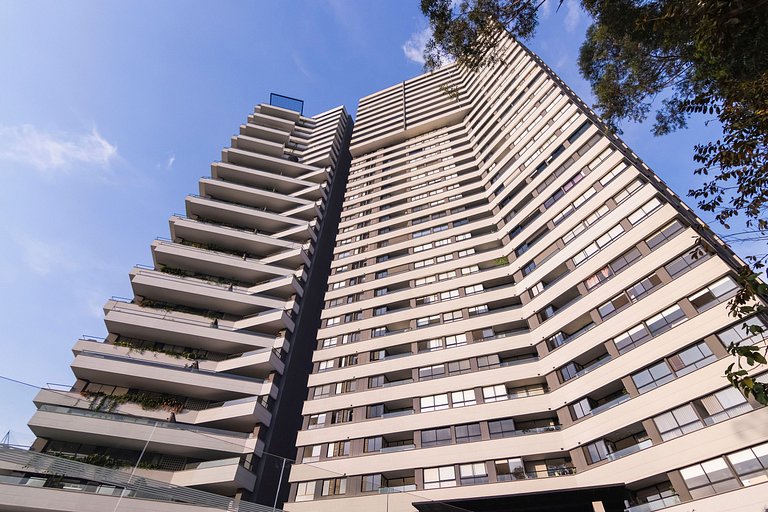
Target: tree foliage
(690,58)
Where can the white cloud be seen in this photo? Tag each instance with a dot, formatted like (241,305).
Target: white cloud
(42,256)
(171,161)
(572,16)
(546,9)
(49,152)
(413,48)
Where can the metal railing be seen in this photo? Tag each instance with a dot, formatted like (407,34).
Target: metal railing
(654,505)
(120,483)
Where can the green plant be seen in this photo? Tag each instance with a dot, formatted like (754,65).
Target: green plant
(501,261)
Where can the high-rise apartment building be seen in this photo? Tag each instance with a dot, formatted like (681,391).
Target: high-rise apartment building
(520,316)
(202,375)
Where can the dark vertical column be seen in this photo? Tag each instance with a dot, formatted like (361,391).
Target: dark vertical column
(280,440)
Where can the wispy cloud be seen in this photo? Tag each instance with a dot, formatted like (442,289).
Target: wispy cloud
(42,256)
(171,160)
(413,48)
(545,10)
(572,16)
(303,69)
(54,152)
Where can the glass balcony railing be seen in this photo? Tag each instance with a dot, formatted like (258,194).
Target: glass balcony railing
(651,506)
(610,405)
(629,450)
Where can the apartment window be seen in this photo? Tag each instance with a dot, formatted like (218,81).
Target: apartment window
(434,402)
(305,491)
(714,294)
(430,345)
(501,428)
(690,359)
(381,274)
(469,290)
(751,464)
(665,320)
(350,360)
(737,335)
(644,211)
(322,391)
(677,422)
(376,381)
(311,453)
(468,433)
(661,236)
(323,366)
(463,398)
(381,291)
(470,270)
(436,437)
(685,262)
(334,487)
(463,253)
(613,305)
(477,310)
(338,449)
(373,444)
(427,320)
(486,362)
(329,342)
(451,316)
(425,280)
(652,377)
(449,295)
(613,268)
(510,469)
(708,478)
(427,299)
(317,420)
(455,340)
(436,478)
(632,338)
(636,291)
(613,173)
(581,408)
(470,474)
(371,483)
(378,331)
(459,367)
(375,411)
(341,416)
(724,404)
(347,386)
(431,372)
(380,311)
(495,393)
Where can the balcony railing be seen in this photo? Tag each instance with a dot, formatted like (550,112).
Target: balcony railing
(609,405)
(629,450)
(402,412)
(651,506)
(398,448)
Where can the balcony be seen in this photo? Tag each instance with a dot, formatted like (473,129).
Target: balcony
(182,329)
(229,236)
(201,294)
(214,263)
(133,433)
(257,198)
(173,379)
(268,181)
(247,217)
(651,506)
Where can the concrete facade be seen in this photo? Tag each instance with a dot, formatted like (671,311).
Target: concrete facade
(513,310)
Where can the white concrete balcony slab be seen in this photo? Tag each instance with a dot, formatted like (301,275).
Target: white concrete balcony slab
(132,433)
(262,179)
(278,165)
(280,287)
(299,233)
(265,133)
(175,379)
(245,216)
(258,145)
(238,415)
(182,329)
(256,364)
(198,293)
(227,236)
(268,121)
(214,263)
(224,476)
(250,196)
(270,322)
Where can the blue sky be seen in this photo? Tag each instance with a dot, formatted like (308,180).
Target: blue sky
(110,111)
